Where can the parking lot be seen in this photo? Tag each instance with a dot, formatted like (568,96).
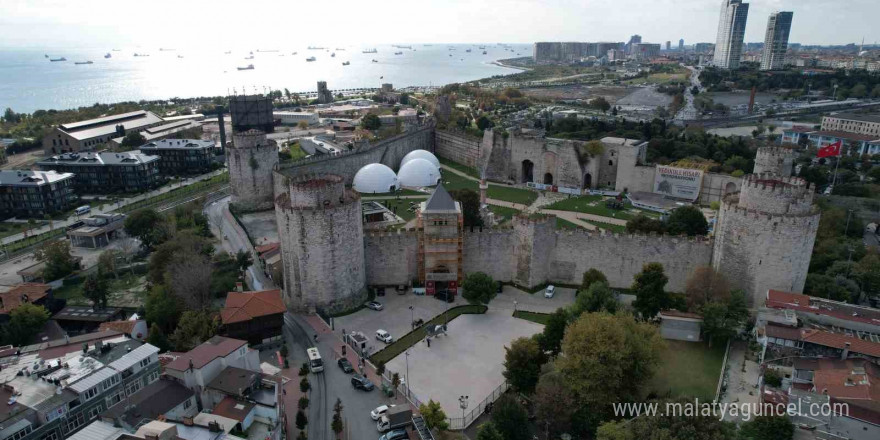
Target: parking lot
(534,302)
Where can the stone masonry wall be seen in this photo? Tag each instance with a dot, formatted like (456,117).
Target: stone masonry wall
(489,251)
(252,159)
(457,147)
(391,257)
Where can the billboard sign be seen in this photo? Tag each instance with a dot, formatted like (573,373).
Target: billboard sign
(679,183)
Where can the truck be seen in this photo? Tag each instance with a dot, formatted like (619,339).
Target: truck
(396,417)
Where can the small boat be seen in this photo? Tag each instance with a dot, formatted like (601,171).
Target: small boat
(249,57)
(267,50)
(345,63)
(57,59)
(370,51)
(310,59)
(83,62)
(375,61)
(227,52)
(398,53)
(107,55)
(294,53)
(180,56)
(141,54)
(165,49)
(340,48)
(467,50)
(450,54)
(484,52)
(381,77)
(316,48)
(115,50)
(45,55)
(248,67)
(333,55)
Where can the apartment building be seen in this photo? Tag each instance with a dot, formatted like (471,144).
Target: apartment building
(34,194)
(853,123)
(102,173)
(181,156)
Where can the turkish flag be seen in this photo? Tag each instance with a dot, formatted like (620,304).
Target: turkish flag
(830,150)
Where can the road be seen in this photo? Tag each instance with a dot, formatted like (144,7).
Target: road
(689,111)
(233,239)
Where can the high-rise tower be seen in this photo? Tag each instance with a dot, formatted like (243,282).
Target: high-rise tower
(776,40)
(731,30)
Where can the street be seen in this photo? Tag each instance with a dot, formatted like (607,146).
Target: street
(233,239)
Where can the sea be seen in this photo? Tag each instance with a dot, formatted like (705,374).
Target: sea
(29,81)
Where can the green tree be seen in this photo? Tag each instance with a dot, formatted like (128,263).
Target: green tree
(395,383)
(470,206)
(107,263)
(551,337)
(133,139)
(142,225)
(301,420)
(371,122)
(598,298)
(643,224)
(767,428)
(434,416)
(555,404)
(478,288)
(687,220)
(59,262)
(157,338)
(591,276)
(244,260)
(522,364)
(867,271)
(303,402)
(488,431)
(668,427)
(337,425)
(25,321)
(601,104)
(304,385)
(95,290)
(483,123)
(510,418)
(162,308)
(722,319)
(704,285)
(608,358)
(194,328)
(649,288)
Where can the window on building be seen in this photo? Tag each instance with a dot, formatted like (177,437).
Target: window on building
(187,403)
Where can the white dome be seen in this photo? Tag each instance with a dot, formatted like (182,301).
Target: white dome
(418,172)
(375,178)
(420,154)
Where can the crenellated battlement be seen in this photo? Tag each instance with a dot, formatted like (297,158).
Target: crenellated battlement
(774,194)
(656,238)
(399,233)
(775,160)
(251,139)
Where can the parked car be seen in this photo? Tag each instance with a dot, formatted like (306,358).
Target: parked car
(445,295)
(361,383)
(375,305)
(550,291)
(380,411)
(384,336)
(345,365)
(397,434)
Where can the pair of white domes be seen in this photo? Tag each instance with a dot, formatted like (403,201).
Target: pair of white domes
(418,168)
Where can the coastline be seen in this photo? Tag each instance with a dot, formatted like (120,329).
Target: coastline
(501,63)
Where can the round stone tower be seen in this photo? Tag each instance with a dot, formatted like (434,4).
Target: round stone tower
(252,158)
(765,235)
(320,227)
(775,160)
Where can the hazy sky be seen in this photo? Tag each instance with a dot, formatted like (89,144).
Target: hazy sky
(295,23)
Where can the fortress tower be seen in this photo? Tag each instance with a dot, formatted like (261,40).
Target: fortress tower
(322,235)
(765,235)
(774,160)
(252,157)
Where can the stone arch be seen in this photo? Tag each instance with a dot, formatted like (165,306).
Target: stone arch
(528,170)
(548,179)
(588,181)
(730,188)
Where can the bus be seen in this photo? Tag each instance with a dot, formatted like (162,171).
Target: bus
(316,365)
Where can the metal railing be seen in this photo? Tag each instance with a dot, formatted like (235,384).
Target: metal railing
(460,423)
(402,389)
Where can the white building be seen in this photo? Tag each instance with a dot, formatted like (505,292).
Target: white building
(731,29)
(199,366)
(293,118)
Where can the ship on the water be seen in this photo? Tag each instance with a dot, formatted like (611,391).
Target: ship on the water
(370,51)
(248,67)
(82,62)
(57,59)
(310,59)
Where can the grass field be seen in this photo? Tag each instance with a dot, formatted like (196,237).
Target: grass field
(562,223)
(688,369)
(538,318)
(463,168)
(503,213)
(608,226)
(452,182)
(590,205)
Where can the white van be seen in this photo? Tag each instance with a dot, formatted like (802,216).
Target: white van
(550,291)
(85,209)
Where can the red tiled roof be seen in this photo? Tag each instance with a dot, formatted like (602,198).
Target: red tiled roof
(786,298)
(244,306)
(15,296)
(783,332)
(802,303)
(233,409)
(677,314)
(841,380)
(837,340)
(218,346)
(267,247)
(121,326)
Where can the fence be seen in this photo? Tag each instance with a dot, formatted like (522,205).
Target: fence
(460,423)
(402,389)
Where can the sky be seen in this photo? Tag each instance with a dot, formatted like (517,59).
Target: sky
(297,23)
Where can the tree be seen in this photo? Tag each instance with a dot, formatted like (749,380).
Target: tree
(598,298)
(551,337)
(704,285)
(555,404)
(522,364)
(648,287)
(608,358)
(59,262)
(687,220)
(470,206)
(142,224)
(371,122)
(395,383)
(645,225)
(189,276)
(157,338)
(302,125)
(479,288)
(434,416)
(591,276)
(133,139)
(25,321)
(162,308)
(301,420)
(484,123)
(867,271)
(95,290)
(303,402)
(380,368)
(244,260)
(601,104)
(764,427)
(669,427)
(336,425)
(510,418)
(488,431)
(194,328)
(722,319)
(107,263)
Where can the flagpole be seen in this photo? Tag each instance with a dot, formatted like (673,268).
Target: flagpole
(837,165)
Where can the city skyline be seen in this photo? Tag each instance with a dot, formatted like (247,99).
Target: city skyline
(261,22)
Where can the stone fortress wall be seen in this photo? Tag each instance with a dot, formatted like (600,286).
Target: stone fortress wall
(252,157)
(320,226)
(774,159)
(457,147)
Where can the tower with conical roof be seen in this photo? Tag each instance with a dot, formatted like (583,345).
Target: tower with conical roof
(440,227)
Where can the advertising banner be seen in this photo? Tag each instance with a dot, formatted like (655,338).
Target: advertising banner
(679,183)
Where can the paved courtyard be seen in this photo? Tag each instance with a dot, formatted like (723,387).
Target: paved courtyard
(261,226)
(467,361)
(532,302)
